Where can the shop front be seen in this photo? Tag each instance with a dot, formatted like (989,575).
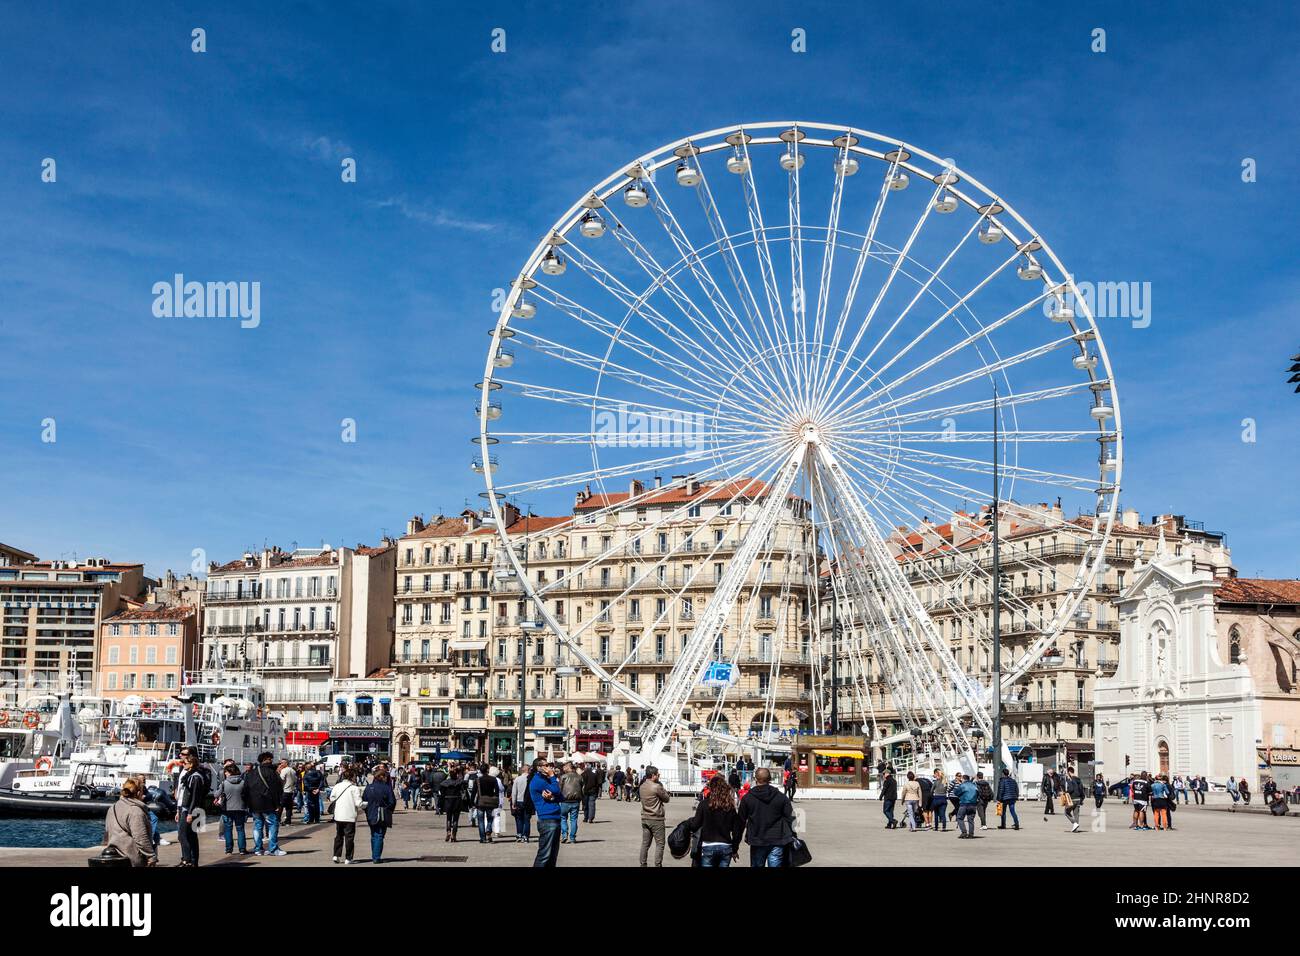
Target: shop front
(594,741)
(826,762)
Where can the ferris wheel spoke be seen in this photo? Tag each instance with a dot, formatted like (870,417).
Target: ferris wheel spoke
(923,289)
(849,405)
(618,334)
(838,398)
(798,306)
(987,370)
(882,451)
(638,304)
(895,266)
(865,252)
(983,405)
(783,342)
(635,468)
(950,437)
(829,245)
(621,405)
(629,376)
(754,313)
(665,279)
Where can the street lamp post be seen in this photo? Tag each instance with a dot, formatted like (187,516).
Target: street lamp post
(997,607)
(835,645)
(523,661)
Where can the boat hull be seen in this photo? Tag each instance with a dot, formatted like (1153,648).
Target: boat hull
(50,805)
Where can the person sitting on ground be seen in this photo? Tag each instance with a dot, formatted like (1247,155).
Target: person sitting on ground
(126,828)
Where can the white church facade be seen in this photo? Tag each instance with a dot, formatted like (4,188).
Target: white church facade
(1206,682)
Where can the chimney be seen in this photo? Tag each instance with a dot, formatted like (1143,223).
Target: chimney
(659,481)
(1129,519)
(692,485)
(415,524)
(635,487)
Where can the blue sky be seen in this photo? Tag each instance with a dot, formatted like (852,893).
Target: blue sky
(176,434)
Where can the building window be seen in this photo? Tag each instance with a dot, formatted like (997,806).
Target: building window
(1234,645)
(112,680)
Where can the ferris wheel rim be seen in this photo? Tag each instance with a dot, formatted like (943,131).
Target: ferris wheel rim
(656,159)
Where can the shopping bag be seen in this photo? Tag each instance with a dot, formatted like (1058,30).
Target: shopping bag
(999,809)
(799,853)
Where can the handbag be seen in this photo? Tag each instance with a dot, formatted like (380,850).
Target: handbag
(679,841)
(1066,801)
(799,854)
(999,808)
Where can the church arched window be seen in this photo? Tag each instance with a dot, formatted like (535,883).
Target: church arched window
(1234,645)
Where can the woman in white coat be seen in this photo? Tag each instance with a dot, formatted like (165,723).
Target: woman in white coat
(346,804)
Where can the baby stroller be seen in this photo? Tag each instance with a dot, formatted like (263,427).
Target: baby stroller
(426,797)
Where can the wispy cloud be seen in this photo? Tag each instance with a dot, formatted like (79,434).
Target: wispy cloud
(327,149)
(439,217)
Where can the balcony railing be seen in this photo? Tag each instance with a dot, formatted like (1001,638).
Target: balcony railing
(376,721)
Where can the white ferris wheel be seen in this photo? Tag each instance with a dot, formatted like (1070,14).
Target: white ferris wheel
(819,314)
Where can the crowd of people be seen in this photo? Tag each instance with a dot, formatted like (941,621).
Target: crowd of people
(551,799)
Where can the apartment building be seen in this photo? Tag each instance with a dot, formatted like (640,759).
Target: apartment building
(301,619)
(627,574)
(53,612)
(145,650)
(1051,715)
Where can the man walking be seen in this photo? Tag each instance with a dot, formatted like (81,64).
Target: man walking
(985,790)
(571,799)
(653,798)
(768,819)
(288,790)
(1051,787)
(968,796)
(590,789)
(313,782)
(1073,792)
(1008,794)
(263,796)
(544,789)
(888,797)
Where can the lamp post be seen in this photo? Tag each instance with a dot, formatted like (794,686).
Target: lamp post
(835,656)
(997,607)
(523,657)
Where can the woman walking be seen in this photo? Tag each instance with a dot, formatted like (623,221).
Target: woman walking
(939,801)
(380,802)
(1160,797)
(487,801)
(454,793)
(911,797)
(718,825)
(127,829)
(192,788)
(234,812)
(345,804)
(1099,790)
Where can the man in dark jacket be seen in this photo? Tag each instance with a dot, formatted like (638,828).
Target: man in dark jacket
(590,787)
(1008,794)
(434,776)
(313,782)
(985,791)
(1051,790)
(263,794)
(768,819)
(1073,788)
(889,796)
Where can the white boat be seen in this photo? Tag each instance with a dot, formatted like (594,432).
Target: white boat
(224,717)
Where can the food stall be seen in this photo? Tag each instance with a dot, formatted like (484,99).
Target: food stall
(831,762)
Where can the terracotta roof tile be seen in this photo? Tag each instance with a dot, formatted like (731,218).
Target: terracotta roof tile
(174,613)
(1258,591)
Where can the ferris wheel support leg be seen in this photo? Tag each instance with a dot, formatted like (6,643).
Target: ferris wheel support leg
(913,622)
(686,673)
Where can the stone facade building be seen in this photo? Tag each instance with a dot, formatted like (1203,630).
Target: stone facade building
(1207,679)
(466,640)
(301,619)
(1051,716)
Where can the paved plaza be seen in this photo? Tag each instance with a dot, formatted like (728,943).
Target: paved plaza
(839,833)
